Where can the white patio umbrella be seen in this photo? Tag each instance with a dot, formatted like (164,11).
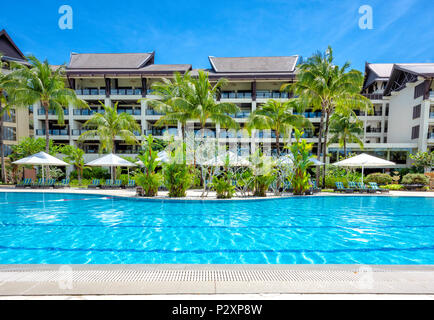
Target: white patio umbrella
(286,160)
(234,160)
(316,162)
(112,161)
(364,161)
(163,156)
(41,159)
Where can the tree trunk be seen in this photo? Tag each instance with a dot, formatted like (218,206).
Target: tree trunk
(326,131)
(47,136)
(2,146)
(320,134)
(345,149)
(278,143)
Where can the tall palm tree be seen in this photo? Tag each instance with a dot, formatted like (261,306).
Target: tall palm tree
(108,126)
(75,157)
(277,116)
(199,102)
(41,84)
(322,85)
(167,90)
(345,129)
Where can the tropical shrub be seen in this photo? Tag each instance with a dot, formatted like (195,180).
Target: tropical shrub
(415,178)
(92,173)
(301,162)
(177,179)
(379,178)
(263,173)
(262,184)
(393,186)
(150,183)
(223,187)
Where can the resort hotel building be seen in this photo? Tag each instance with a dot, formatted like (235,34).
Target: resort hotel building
(402,95)
(17,124)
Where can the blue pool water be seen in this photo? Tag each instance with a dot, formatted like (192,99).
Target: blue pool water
(72,229)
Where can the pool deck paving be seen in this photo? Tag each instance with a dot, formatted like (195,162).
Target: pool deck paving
(255,280)
(78,280)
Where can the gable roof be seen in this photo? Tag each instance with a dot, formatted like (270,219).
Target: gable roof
(399,71)
(9,48)
(253,64)
(110,60)
(377,72)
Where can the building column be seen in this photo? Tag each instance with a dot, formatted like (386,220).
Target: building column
(424,126)
(107,87)
(143,108)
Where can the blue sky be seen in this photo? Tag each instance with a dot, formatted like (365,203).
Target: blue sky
(189,31)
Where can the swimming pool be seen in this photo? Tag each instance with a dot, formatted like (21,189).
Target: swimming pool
(48,228)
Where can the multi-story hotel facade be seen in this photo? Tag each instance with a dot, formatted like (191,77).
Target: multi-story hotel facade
(17,124)
(402,122)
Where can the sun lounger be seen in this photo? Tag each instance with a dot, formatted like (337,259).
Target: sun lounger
(314,187)
(40,183)
(26,183)
(95,184)
(355,186)
(363,188)
(375,187)
(340,188)
(63,184)
(131,184)
(107,184)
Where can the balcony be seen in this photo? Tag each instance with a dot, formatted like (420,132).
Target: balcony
(126,92)
(236,95)
(373,130)
(161,132)
(373,96)
(431,135)
(84,112)
(78,132)
(90,92)
(53,132)
(152,112)
(309,114)
(261,94)
(133,112)
(431,115)
(41,112)
(230,134)
(240,115)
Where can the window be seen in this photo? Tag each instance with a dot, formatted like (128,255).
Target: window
(416,111)
(419,90)
(387,109)
(9,133)
(415,132)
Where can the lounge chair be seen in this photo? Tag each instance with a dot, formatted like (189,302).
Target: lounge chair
(374,186)
(131,184)
(63,184)
(340,188)
(39,184)
(140,192)
(48,183)
(26,183)
(315,188)
(108,184)
(356,187)
(95,184)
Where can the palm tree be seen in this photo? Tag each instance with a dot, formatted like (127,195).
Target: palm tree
(108,126)
(167,90)
(277,116)
(345,129)
(323,85)
(41,84)
(198,101)
(75,157)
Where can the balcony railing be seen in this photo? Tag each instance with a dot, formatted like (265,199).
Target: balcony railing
(430,135)
(161,132)
(431,115)
(271,95)
(126,92)
(373,96)
(90,92)
(41,112)
(236,95)
(78,132)
(373,130)
(84,112)
(152,112)
(134,112)
(309,114)
(53,132)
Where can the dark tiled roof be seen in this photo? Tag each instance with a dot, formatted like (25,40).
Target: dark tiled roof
(254,64)
(425,70)
(9,49)
(167,67)
(109,60)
